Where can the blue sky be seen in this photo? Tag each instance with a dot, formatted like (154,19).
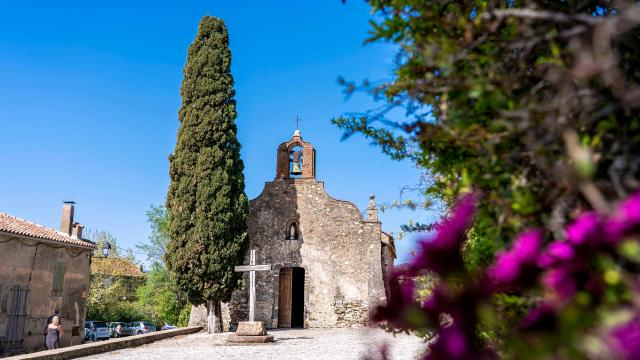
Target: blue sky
(89,94)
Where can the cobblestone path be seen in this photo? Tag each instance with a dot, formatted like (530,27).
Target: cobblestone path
(312,344)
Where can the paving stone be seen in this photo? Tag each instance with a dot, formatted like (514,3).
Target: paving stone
(235,338)
(290,344)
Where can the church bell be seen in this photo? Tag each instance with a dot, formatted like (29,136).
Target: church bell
(295,169)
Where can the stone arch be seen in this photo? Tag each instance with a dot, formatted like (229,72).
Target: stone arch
(293,144)
(292,234)
(297,160)
(308,154)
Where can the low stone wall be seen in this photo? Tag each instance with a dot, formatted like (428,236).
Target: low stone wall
(72,352)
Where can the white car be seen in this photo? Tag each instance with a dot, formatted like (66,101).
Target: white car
(141,327)
(168,327)
(96,330)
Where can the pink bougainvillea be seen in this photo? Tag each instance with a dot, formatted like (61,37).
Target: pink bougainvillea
(562,270)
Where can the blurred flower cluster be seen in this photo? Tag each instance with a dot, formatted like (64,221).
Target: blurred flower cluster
(582,292)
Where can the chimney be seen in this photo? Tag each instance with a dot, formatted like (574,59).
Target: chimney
(77,231)
(66,225)
(372,210)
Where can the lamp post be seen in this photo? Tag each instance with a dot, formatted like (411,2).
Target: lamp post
(106,249)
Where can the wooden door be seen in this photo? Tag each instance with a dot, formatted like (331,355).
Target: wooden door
(17,317)
(284,299)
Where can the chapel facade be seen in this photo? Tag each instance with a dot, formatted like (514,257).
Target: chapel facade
(328,262)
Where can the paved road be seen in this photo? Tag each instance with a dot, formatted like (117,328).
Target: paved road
(312,344)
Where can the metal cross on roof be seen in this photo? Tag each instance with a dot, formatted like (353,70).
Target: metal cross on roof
(297,120)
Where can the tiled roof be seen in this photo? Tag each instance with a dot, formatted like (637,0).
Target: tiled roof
(114,267)
(14,225)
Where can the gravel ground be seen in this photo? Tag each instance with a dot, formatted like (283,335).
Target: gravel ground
(314,344)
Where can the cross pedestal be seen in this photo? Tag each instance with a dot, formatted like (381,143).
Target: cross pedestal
(251,331)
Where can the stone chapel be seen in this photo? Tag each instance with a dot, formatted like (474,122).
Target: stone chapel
(327,262)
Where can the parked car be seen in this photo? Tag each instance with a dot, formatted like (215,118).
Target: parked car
(168,327)
(129,327)
(96,330)
(118,329)
(141,327)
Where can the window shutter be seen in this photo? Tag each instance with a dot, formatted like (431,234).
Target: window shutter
(58,278)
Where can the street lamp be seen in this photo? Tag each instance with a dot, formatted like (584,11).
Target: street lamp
(106,249)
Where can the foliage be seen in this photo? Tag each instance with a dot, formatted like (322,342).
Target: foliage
(156,249)
(114,267)
(534,107)
(113,282)
(534,104)
(206,202)
(113,298)
(585,292)
(159,298)
(100,237)
(117,296)
(119,291)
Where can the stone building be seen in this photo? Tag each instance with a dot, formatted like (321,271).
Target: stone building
(41,270)
(328,263)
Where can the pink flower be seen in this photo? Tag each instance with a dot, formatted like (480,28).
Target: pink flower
(437,302)
(400,302)
(441,253)
(560,250)
(506,268)
(586,229)
(626,221)
(561,282)
(450,344)
(527,246)
(626,339)
(453,343)
(509,265)
(540,318)
(629,210)
(614,230)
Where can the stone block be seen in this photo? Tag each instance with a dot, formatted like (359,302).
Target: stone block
(251,328)
(234,338)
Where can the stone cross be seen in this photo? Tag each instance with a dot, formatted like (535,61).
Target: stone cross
(252,268)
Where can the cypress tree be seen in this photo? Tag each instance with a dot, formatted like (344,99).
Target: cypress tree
(206,201)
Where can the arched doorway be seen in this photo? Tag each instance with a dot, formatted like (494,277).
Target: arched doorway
(291,298)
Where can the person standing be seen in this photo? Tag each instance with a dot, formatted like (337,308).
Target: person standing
(54,333)
(56,312)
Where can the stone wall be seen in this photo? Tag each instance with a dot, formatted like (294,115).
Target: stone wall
(388,257)
(30,263)
(99,347)
(340,252)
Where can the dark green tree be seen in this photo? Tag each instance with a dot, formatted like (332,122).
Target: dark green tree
(206,201)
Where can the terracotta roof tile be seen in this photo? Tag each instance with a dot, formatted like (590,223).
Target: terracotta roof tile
(14,225)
